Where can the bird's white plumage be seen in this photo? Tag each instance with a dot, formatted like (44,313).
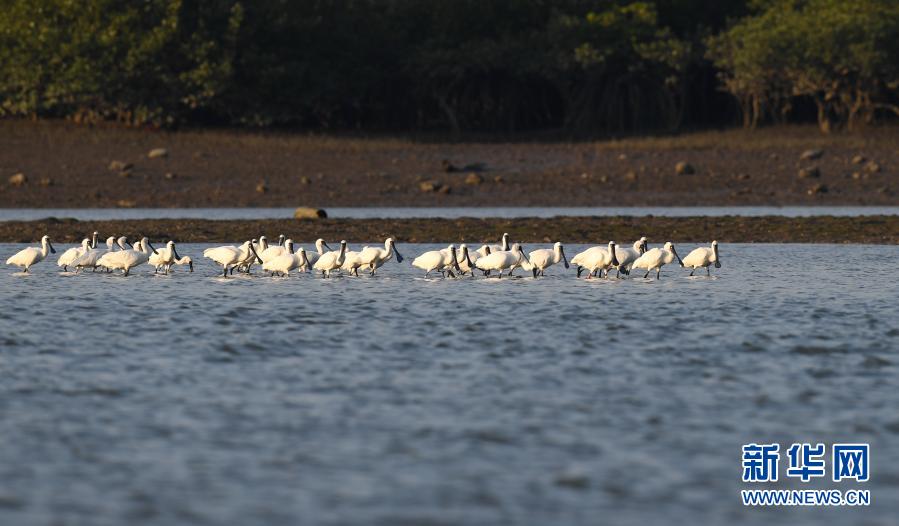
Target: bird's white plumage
(30,256)
(437,260)
(597,258)
(331,261)
(504,260)
(543,258)
(703,257)
(374,257)
(657,258)
(503,246)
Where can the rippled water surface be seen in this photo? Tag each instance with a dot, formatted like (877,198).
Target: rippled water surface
(192,399)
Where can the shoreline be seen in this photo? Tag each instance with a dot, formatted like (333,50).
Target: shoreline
(624,229)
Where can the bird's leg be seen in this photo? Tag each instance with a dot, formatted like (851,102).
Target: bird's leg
(692,271)
(646,275)
(659,273)
(225,270)
(708,272)
(534,272)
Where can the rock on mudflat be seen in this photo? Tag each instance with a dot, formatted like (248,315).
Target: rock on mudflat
(157,153)
(119,166)
(811,172)
(811,155)
(473,179)
(430,186)
(818,189)
(305,212)
(18,179)
(684,168)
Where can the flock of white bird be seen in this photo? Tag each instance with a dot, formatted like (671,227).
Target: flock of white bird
(285,257)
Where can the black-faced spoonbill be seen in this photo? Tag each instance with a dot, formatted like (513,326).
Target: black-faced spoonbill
(703,257)
(437,260)
(543,258)
(504,259)
(69,256)
(331,261)
(230,257)
(627,256)
(375,257)
(596,258)
(27,257)
(657,258)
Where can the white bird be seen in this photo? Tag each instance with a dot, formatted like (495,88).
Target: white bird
(626,256)
(703,257)
(352,262)
(467,259)
(504,259)
(165,258)
(596,258)
(129,259)
(437,260)
(543,258)
(375,257)
(185,260)
(657,258)
(331,261)
(27,257)
(230,257)
(288,261)
(90,257)
(270,253)
(70,255)
(487,249)
(320,247)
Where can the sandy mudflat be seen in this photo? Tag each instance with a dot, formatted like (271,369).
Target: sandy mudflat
(69,166)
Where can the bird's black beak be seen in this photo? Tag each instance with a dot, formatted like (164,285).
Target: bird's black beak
(487,251)
(455,260)
(191,265)
(613,249)
(675,255)
(253,250)
(399,257)
(564,259)
(175,253)
(717,258)
(52,250)
(151,247)
(326,246)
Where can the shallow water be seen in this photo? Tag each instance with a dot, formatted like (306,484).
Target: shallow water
(192,399)
(88,214)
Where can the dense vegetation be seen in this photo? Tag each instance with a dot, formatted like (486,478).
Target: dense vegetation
(509,65)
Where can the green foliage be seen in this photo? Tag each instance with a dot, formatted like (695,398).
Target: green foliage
(598,65)
(139,62)
(842,55)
